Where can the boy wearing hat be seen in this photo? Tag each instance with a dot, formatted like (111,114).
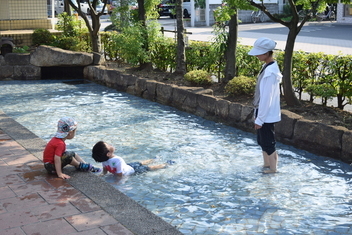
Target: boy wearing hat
(55,156)
(267,101)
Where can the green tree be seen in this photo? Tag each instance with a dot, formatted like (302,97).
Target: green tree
(94,25)
(295,25)
(180,51)
(227,15)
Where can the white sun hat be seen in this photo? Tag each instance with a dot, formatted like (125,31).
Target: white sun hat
(262,46)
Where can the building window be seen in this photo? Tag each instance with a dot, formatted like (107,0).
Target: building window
(347,10)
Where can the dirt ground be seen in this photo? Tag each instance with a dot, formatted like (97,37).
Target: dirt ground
(310,111)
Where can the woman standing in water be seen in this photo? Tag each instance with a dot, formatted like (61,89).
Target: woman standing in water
(267,101)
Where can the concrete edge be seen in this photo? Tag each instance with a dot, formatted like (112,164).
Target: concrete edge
(125,210)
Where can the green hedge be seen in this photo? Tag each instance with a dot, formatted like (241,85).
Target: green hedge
(320,75)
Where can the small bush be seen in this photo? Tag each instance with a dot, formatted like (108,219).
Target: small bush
(42,37)
(24,49)
(241,85)
(198,77)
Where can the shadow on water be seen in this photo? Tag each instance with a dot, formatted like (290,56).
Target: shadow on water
(216,185)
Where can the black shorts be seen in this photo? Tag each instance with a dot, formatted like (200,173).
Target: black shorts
(266,138)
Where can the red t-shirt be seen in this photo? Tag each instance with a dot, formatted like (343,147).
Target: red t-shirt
(56,146)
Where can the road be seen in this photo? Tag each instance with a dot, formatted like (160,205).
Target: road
(330,38)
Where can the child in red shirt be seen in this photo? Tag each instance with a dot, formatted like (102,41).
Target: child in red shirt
(55,156)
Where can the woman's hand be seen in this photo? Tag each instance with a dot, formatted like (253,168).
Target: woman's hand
(256,126)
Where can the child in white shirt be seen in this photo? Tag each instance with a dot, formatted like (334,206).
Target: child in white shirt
(104,153)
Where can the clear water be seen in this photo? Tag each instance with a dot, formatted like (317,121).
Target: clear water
(216,185)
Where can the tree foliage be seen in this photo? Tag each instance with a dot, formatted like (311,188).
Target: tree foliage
(226,15)
(294,25)
(93,25)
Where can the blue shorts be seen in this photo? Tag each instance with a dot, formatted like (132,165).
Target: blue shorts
(138,167)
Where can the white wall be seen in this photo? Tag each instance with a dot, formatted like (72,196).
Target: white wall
(341,17)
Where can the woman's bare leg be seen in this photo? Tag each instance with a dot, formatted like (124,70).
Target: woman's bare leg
(273,159)
(266,160)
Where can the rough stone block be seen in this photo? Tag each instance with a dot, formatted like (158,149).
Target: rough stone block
(94,73)
(45,56)
(347,146)
(235,112)
(318,138)
(126,80)
(98,59)
(222,109)
(130,90)
(164,93)
(151,88)
(140,87)
(207,103)
(184,99)
(17,59)
(247,114)
(6,72)
(27,72)
(112,78)
(284,128)
(2,61)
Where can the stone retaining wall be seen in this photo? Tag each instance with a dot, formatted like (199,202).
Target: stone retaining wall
(325,140)
(321,139)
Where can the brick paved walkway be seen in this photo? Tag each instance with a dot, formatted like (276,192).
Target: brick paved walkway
(33,202)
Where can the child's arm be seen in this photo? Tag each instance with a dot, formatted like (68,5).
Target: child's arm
(59,173)
(105,171)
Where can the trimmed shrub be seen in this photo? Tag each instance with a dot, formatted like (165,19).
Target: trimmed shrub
(241,85)
(198,77)
(42,37)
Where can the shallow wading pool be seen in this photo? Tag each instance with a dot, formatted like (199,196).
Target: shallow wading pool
(216,185)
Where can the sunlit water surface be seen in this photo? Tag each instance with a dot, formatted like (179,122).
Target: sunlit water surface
(216,185)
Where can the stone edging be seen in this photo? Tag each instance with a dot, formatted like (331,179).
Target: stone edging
(321,139)
(315,137)
(125,210)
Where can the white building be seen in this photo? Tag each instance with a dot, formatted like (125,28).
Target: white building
(344,13)
(206,17)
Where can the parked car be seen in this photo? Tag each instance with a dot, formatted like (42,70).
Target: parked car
(167,8)
(85,7)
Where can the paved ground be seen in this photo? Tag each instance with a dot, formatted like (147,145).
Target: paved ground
(327,37)
(33,202)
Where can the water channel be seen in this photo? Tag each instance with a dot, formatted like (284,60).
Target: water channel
(215,186)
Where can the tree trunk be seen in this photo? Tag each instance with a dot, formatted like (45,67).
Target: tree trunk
(289,93)
(93,27)
(181,53)
(94,33)
(143,19)
(340,100)
(67,8)
(230,53)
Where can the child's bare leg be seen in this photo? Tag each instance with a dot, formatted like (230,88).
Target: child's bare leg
(146,162)
(78,158)
(74,162)
(156,167)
